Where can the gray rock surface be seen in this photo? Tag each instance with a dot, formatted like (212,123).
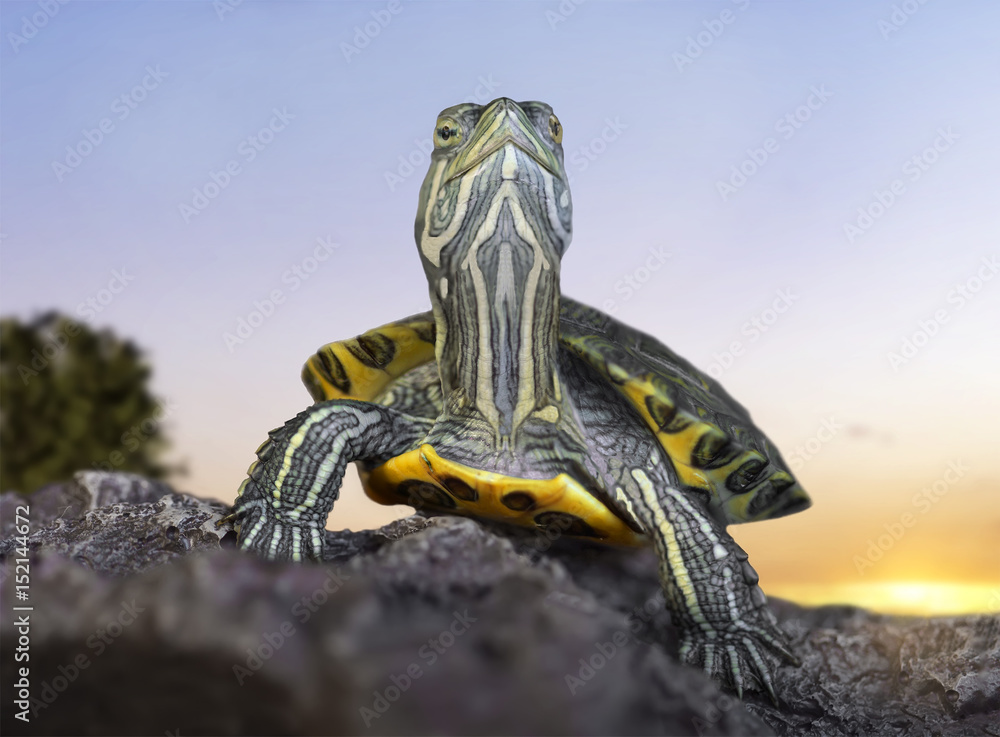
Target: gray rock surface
(146,621)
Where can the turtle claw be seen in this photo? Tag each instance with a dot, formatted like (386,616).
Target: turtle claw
(260,531)
(737,657)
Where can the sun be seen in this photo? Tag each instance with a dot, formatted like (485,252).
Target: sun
(923,598)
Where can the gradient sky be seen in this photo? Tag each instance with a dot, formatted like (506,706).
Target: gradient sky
(659,101)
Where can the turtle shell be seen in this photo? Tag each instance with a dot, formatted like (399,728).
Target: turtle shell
(717,451)
(709,436)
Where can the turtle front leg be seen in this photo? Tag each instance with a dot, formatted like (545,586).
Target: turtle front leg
(710,587)
(293,484)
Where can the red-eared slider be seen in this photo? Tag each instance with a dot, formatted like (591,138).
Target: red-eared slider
(511,402)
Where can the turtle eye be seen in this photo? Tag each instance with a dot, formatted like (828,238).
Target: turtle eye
(447,133)
(555,129)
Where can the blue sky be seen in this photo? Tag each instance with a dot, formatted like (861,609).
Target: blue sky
(729,145)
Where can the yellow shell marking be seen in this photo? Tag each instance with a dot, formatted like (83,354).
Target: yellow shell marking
(362,367)
(687,432)
(489,490)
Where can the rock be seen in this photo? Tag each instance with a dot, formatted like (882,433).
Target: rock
(89,490)
(117,523)
(428,625)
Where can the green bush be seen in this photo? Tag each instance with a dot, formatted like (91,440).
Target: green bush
(73,399)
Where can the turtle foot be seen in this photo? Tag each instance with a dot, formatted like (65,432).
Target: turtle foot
(741,656)
(262,532)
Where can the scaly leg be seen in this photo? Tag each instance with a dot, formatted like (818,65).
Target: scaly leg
(283,505)
(711,588)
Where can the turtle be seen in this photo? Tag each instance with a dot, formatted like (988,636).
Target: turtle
(510,402)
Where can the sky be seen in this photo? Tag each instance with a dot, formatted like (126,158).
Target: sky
(800,198)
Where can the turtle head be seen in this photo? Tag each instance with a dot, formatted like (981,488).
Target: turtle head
(492,226)
(498,165)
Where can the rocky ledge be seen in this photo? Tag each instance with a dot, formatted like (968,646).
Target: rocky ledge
(145,620)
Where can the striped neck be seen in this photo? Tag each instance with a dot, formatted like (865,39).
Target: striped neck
(497,310)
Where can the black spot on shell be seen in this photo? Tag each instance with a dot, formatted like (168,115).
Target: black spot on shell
(665,415)
(519,501)
(773,491)
(420,494)
(333,370)
(564,523)
(373,350)
(313,386)
(713,449)
(781,482)
(791,506)
(426,332)
(461,490)
(740,480)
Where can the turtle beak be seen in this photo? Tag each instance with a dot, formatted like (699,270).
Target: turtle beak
(503,123)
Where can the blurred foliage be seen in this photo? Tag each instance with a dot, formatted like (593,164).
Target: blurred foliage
(74,399)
